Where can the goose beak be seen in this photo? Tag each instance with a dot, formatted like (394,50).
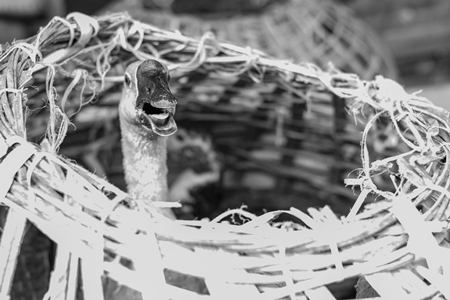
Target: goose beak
(155,104)
(157,114)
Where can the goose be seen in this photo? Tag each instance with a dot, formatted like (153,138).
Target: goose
(146,112)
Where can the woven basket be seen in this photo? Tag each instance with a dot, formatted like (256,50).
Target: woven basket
(287,121)
(312,31)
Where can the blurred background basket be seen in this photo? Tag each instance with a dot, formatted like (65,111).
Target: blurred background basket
(318,32)
(283,138)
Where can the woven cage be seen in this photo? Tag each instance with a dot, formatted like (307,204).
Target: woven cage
(303,128)
(312,31)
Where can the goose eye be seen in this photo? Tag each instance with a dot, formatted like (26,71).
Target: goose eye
(127,79)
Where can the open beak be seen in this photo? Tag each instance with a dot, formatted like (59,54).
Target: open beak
(157,108)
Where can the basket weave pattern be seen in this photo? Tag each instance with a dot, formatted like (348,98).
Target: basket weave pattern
(79,59)
(312,31)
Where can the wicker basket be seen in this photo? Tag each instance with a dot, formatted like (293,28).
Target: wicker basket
(268,117)
(312,31)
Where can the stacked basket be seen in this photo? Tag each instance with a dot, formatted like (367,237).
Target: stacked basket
(312,31)
(276,113)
